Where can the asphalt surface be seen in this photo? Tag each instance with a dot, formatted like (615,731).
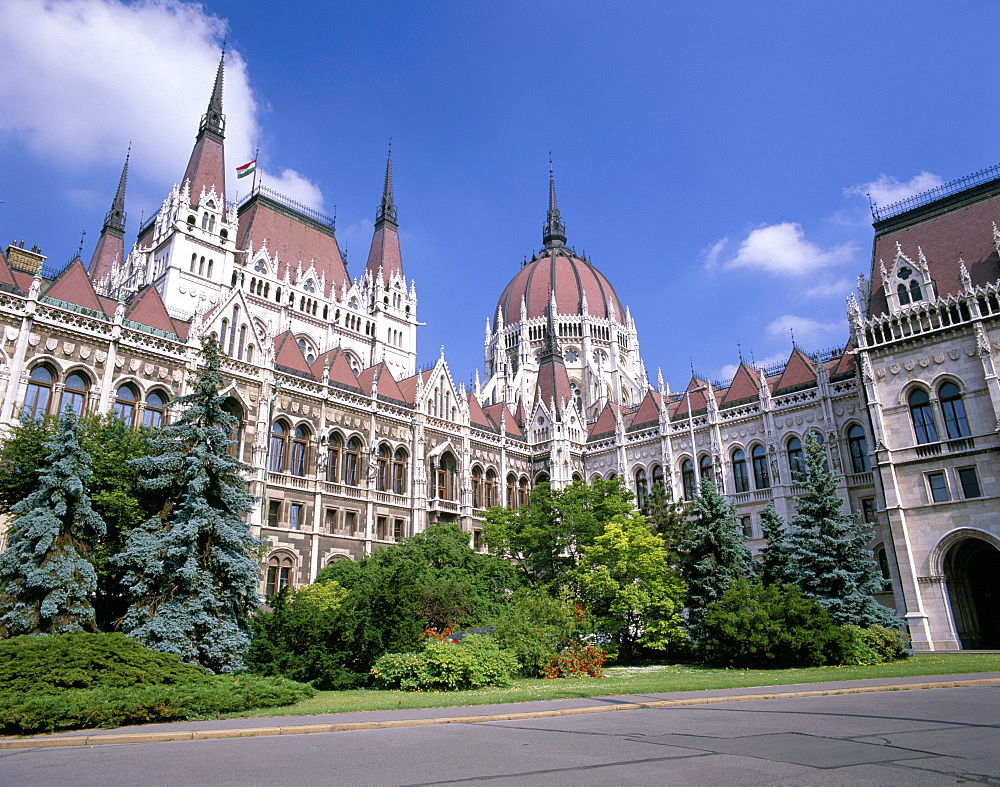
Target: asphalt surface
(814,734)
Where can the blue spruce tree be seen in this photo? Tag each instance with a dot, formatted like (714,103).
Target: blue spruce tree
(831,561)
(713,554)
(192,569)
(776,557)
(47,578)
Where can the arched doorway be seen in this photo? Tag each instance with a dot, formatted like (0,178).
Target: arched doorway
(972,570)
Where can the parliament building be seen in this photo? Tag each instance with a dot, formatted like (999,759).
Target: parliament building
(352,447)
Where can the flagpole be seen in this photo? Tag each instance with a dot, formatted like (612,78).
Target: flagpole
(253,187)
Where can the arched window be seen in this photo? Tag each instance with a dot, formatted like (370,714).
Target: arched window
(741,482)
(399,460)
(156,409)
(687,479)
(658,475)
(300,444)
(235,409)
(382,467)
(490,489)
(796,461)
(352,461)
(904,295)
(279,571)
(477,487)
(74,394)
(36,399)
(511,491)
(915,293)
(923,419)
(125,399)
(955,422)
(279,436)
(858,446)
(444,477)
(761,479)
(334,449)
(641,489)
(705,468)
(522,492)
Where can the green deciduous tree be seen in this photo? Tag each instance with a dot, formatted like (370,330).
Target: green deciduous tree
(192,569)
(544,537)
(713,555)
(669,518)
(624,580)
(832,562)
(47,579)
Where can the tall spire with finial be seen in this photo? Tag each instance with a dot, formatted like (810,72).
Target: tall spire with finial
(554,231)
(207,166)
(110,248)
(387,209)
(553,379)
(385,260)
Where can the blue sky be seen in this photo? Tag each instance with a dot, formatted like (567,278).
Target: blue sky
(711,158)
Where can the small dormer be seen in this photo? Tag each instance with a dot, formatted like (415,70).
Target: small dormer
(908,282)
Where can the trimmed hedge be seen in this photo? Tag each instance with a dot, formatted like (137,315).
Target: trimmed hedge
(444,665)
(74,681)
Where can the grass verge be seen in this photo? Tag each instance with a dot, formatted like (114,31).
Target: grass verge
(630,680)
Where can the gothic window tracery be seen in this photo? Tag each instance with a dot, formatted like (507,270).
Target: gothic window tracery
(858,447)
(36,399)
(740,478)
(74,394)
(124,406)
(761,478)
(156,409)
(955,422)
(922,417)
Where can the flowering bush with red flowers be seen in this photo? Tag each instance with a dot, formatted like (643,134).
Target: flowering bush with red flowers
(577,661)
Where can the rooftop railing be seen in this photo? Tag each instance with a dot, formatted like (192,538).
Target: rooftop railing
(936,193)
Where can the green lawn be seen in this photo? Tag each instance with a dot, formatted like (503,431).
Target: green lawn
(632,680)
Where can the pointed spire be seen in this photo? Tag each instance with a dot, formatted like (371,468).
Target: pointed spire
(551,350)
(386,212)
(213,120)
(554,231)
(115,218)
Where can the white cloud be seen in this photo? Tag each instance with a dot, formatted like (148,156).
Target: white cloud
(783,248)
(81,79)
(885,189)
(728,371)
(808,332)
(713,254)
(293,185)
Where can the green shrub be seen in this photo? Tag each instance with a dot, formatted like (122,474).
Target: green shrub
(115,706)
(535,627)
(770,627)
(444,665)
(47,664)
(873,645)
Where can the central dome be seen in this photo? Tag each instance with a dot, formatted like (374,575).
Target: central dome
(556,269)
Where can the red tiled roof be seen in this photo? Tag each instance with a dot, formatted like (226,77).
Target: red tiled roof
(847,363)
(649,410)
(743,386)
(698,400)
(292,238)
(798,370)
(206,167)
(476,414)
(384,253)
(493,412)
(569,277)
(146,308)
(340,370)
(408,386)
(963,233)
(387,386)
(288,354)
(73,286)
(110,249)
(553,384)
(607,421)
(6,276)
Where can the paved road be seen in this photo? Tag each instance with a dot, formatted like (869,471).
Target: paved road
(931,736)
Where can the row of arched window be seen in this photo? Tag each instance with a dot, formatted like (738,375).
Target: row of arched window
(925,426)
(756,468)
(43,379)
(198,265)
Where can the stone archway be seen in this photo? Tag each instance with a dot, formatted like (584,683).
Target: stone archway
(972,571)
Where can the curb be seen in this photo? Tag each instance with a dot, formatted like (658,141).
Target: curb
(44,741)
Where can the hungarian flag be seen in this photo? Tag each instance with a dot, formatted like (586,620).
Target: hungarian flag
(246,169)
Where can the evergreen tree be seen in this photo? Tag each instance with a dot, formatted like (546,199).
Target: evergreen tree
(192,568)
(669,519)
(46,574)
(713,556)
(831,559)
(777,555)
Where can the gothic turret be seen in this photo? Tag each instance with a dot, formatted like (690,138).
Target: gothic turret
(384,258)
(554,231)
(110,249)
(207,166)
